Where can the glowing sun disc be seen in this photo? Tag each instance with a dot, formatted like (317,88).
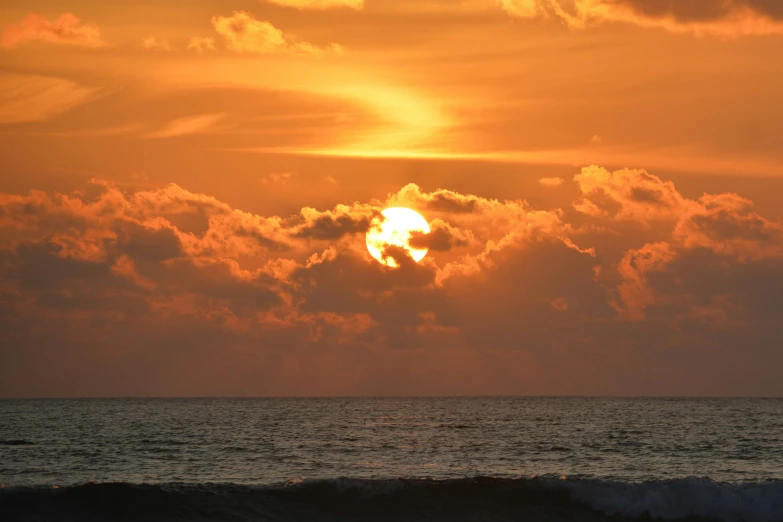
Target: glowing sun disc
(393,228)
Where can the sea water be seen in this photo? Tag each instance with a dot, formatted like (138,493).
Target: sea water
(483,458)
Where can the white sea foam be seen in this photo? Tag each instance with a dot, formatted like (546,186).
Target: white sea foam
(682,498)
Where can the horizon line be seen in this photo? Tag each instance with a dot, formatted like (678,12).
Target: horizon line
(480,396)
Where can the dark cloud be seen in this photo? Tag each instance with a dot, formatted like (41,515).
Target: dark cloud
(221,282)
(441,238)
(683,10)
(771,8)
(687,11)
(39,266)
(641,195)
(352,282)
(243,230)
(66,284)
(329,227)
(721,18)
(716,291)
(725,225)
(144,244)
(196,223)
(445,201)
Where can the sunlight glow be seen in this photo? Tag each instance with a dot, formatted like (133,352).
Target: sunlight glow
(393,228)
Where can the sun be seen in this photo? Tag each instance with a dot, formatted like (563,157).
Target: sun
(393,228)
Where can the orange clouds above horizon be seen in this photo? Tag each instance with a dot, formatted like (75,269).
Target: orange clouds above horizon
(243,32)
(90,265)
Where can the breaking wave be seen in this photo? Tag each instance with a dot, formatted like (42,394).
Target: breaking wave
(483,499)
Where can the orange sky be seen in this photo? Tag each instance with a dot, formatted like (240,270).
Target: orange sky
(185,188)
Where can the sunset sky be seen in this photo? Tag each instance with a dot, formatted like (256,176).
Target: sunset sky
(185,188)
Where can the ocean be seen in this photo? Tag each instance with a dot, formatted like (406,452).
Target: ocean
(391,459)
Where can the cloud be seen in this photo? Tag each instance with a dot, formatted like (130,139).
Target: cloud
(243,33)
(635,291)
(551,182)
(699,289)
(25,98)
(332,225)
(629,194)
(718,230)
(722,18)
(151,43)
(440,200)
(277,178)
(725,225)
(691,12)
(124,266)
(524,8)
(67,29)
(512,299)
(189,125)
(201,44)
(442,237)
(585,206)
(320,4)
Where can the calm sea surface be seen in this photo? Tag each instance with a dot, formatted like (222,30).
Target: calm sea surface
(274,442)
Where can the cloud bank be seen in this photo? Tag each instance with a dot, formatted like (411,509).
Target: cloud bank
(634,289)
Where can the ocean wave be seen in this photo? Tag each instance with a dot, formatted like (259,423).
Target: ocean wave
(16,442)
(486,499)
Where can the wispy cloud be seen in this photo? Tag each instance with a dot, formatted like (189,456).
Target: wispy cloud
(189,125)
(201,44)
(277,178)
(26,98)
(93,132)
(152,43)
(319,4)
(551,182)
